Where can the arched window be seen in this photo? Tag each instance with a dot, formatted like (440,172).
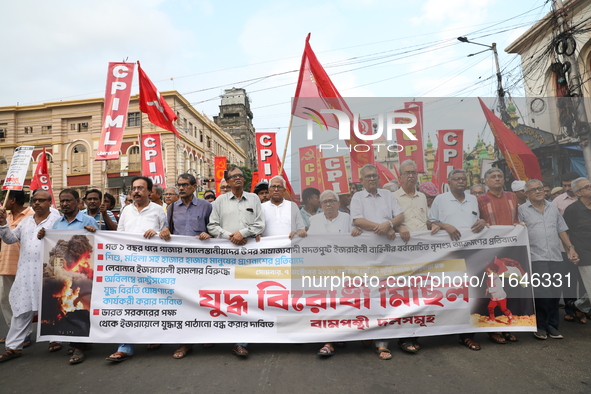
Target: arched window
(79,159)
(134,158)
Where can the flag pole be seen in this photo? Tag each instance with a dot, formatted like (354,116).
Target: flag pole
(140,142)
(281,164)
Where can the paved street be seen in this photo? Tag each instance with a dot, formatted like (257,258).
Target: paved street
(442,366)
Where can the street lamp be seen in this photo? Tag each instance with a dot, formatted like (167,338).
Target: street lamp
(500,91)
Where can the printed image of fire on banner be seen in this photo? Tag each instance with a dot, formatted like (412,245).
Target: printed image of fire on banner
(67,288)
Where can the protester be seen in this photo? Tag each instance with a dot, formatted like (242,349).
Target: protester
(457,209)
(237,216)
(518,187)
(95,209)
(430,191)
(224,187)
(171,194)
(345,202)
(332,221)
(498,207)
(9,254)
(109,201)
(546,229)
(557,191)
(156,196)
(262,190)
(74,219)
(187,216)
(547,191)
(209,196)
(414,206)
(376,210)
(578,219)
(569,290)
(24,294)
(477,190)
(281,216)
(141,217)
(311,200)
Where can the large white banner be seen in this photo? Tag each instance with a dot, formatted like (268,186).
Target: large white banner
(118,287)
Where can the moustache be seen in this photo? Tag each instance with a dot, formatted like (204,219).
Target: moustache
(137,195)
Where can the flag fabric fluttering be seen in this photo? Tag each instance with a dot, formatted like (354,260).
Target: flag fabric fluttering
(153,104)
(521,160)
(41,178)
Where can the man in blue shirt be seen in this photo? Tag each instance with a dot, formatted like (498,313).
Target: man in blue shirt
(73,219)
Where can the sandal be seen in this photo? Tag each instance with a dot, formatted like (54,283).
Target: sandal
(27,342)
(77,357)
(117,357)
(416,344)
(153,346)
(407,345)
(381,355)
(240,351)
(54,347)
(569,318)
(579,315)
(326,351)
(9,354)
(470,344)
(182,351)
(510,337)
(497,337)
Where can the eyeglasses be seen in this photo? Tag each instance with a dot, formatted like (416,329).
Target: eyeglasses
(40,200)
(170,194)
(537,189)
(371,176)
(138,188)
(477,193)
(276,187)
(328,202)
(225,187)
(183,184)
(588,187)
(236,176)
(409,173)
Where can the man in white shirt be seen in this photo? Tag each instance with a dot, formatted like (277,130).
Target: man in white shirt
(142,217)
(282,217)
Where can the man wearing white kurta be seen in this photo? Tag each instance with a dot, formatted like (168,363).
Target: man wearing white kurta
(282,217)
(24,295)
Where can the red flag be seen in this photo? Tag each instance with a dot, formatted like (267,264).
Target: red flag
(151,103)
(385,174)
(220,165)
(41,178)
(254,180)
(449,155)
(521,160)
(315,91)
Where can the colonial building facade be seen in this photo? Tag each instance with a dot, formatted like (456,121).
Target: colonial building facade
(70,132)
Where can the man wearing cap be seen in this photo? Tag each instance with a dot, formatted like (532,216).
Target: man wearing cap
(262,190)
(557,191)
(430,191)
(518,187)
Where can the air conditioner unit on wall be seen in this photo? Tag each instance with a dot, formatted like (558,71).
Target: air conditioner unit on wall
(84,124)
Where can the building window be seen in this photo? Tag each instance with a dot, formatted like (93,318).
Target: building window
(3,130)
(200,135)
(79,159)
(28,130)
(114,165)
(134,119)
(45,129)
(134,158)
(209,142)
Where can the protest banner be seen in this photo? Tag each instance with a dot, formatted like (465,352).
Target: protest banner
(334,174)
(267,158)
(220,165)
(119,287)
(310,173)
(15,176)
(152,161)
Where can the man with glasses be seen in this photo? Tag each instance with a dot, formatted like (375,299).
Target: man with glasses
(188,216)
(224,187)
(209,196)
(171,194)
(24,295)
(376,210)
(578,219)
(546,229)
(477,190)
(237,216)
(141,217)
(457,209)
(281,216)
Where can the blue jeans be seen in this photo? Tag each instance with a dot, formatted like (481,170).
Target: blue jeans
(125,348)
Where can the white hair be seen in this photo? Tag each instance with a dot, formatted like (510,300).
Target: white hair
(327,192)
(280,178)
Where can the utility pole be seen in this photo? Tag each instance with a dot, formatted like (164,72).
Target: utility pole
(575,87)
(500,90)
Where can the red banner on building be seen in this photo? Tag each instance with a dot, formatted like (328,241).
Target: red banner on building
(334,174)
(117,95)
(41,178)
(152,162)
(220,164)
(310,173)
(267,157)
(450,148)
(413,150)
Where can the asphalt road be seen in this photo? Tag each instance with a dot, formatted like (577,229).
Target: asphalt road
(442,366)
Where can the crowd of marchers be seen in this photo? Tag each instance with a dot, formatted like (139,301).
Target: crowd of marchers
(558,223)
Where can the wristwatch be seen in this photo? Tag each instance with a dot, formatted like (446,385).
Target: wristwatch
(570,246)
(391,224)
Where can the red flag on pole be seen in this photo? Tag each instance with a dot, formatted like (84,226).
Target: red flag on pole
(521,160)
(315,91)
(41,178)
(151,103)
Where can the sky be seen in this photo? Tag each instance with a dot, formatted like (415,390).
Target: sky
(60,50)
